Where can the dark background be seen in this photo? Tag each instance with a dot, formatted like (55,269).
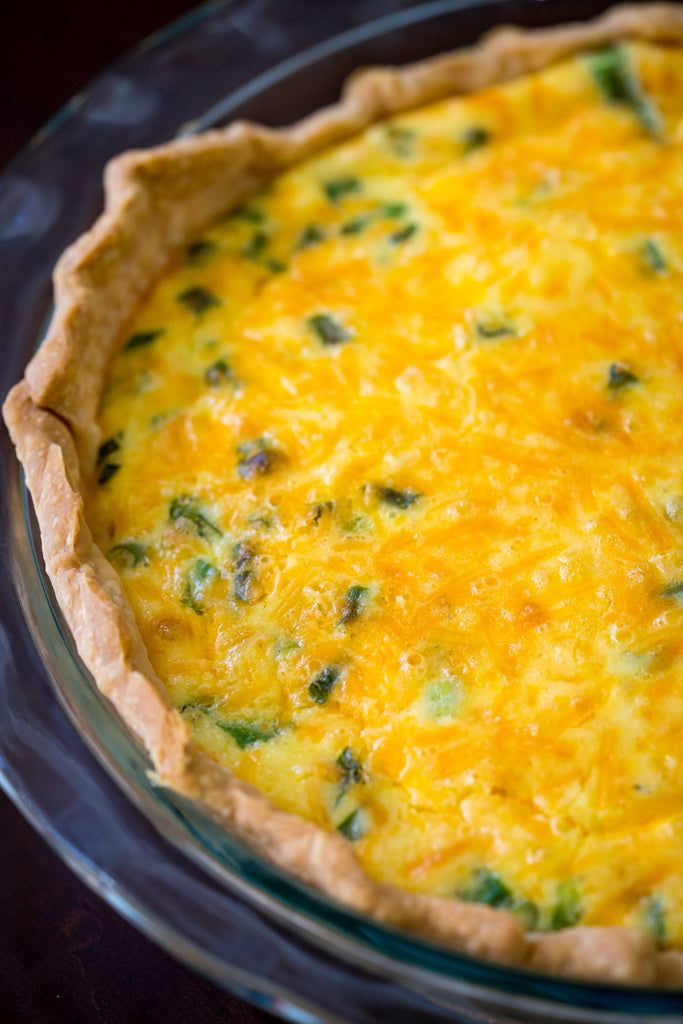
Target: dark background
(66,957)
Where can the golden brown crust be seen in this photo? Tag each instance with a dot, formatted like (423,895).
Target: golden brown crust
(156,201)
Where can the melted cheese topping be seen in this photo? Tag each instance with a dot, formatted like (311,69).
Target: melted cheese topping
(393,478)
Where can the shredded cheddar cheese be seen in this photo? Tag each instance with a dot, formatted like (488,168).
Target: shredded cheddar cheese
(393,479)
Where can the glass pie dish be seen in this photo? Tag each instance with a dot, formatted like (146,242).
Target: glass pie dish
(194,888)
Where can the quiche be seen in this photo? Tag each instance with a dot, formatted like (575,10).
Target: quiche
(357,452)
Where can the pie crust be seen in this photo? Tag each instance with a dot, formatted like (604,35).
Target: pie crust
(156,201)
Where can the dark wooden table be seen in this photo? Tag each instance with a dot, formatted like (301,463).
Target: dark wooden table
(65,956)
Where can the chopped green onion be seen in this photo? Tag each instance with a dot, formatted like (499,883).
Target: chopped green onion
(320,509)
(198,250)
(487,887)
(256,458)
(567,910)
(218,373)
(321,686)
(243,565)
(197,299)
(130,553)
(256,245)
(351,771)
(401,140)
(285,645)
(109,470)
(399,499)
(394,210)
(652,257)
(674,591)
(443,697)
(474,138)
(249,213)
(653,918)
(338,188)
(143,338)
(328,330)
(356,224)
(403,234)
(198,578)
(353,827)
(184,507)
(275,266)
(618,82)
(490,330)
(107,448)
(619,376)
(355,598)
(246,734)
(527,912)
(310,235)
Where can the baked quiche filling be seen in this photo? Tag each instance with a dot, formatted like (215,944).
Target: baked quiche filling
(392,474)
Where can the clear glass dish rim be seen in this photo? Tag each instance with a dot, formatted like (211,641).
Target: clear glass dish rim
(498,977)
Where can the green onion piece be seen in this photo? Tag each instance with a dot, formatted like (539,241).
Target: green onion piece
(674,591)
(143,338)
(107,448)
(197,299)
(399,499)
(653,918)
(487,887)
(256,458)
(130,553)
(567,910)
(619,376)
(403,234)
(443,697)
(618,82)
(249,213)
(338,188)
(394,210)
(351,771)
(321,686)
(275,266)
(320,509)
(109,470)
(491,330)
(184,507)
(527,912)
(246,734)
(328,330)
(353,826)
(401,140)
(285,645)
(356,224)
(256,245)
(198,578)
(474,138)
(652,257)
(218,373)
(198,250)
(310,235)
(353,603)
(243,565)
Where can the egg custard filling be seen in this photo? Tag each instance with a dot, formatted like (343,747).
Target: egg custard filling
(392,475)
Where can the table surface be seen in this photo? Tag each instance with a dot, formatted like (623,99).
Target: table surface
(65,956)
